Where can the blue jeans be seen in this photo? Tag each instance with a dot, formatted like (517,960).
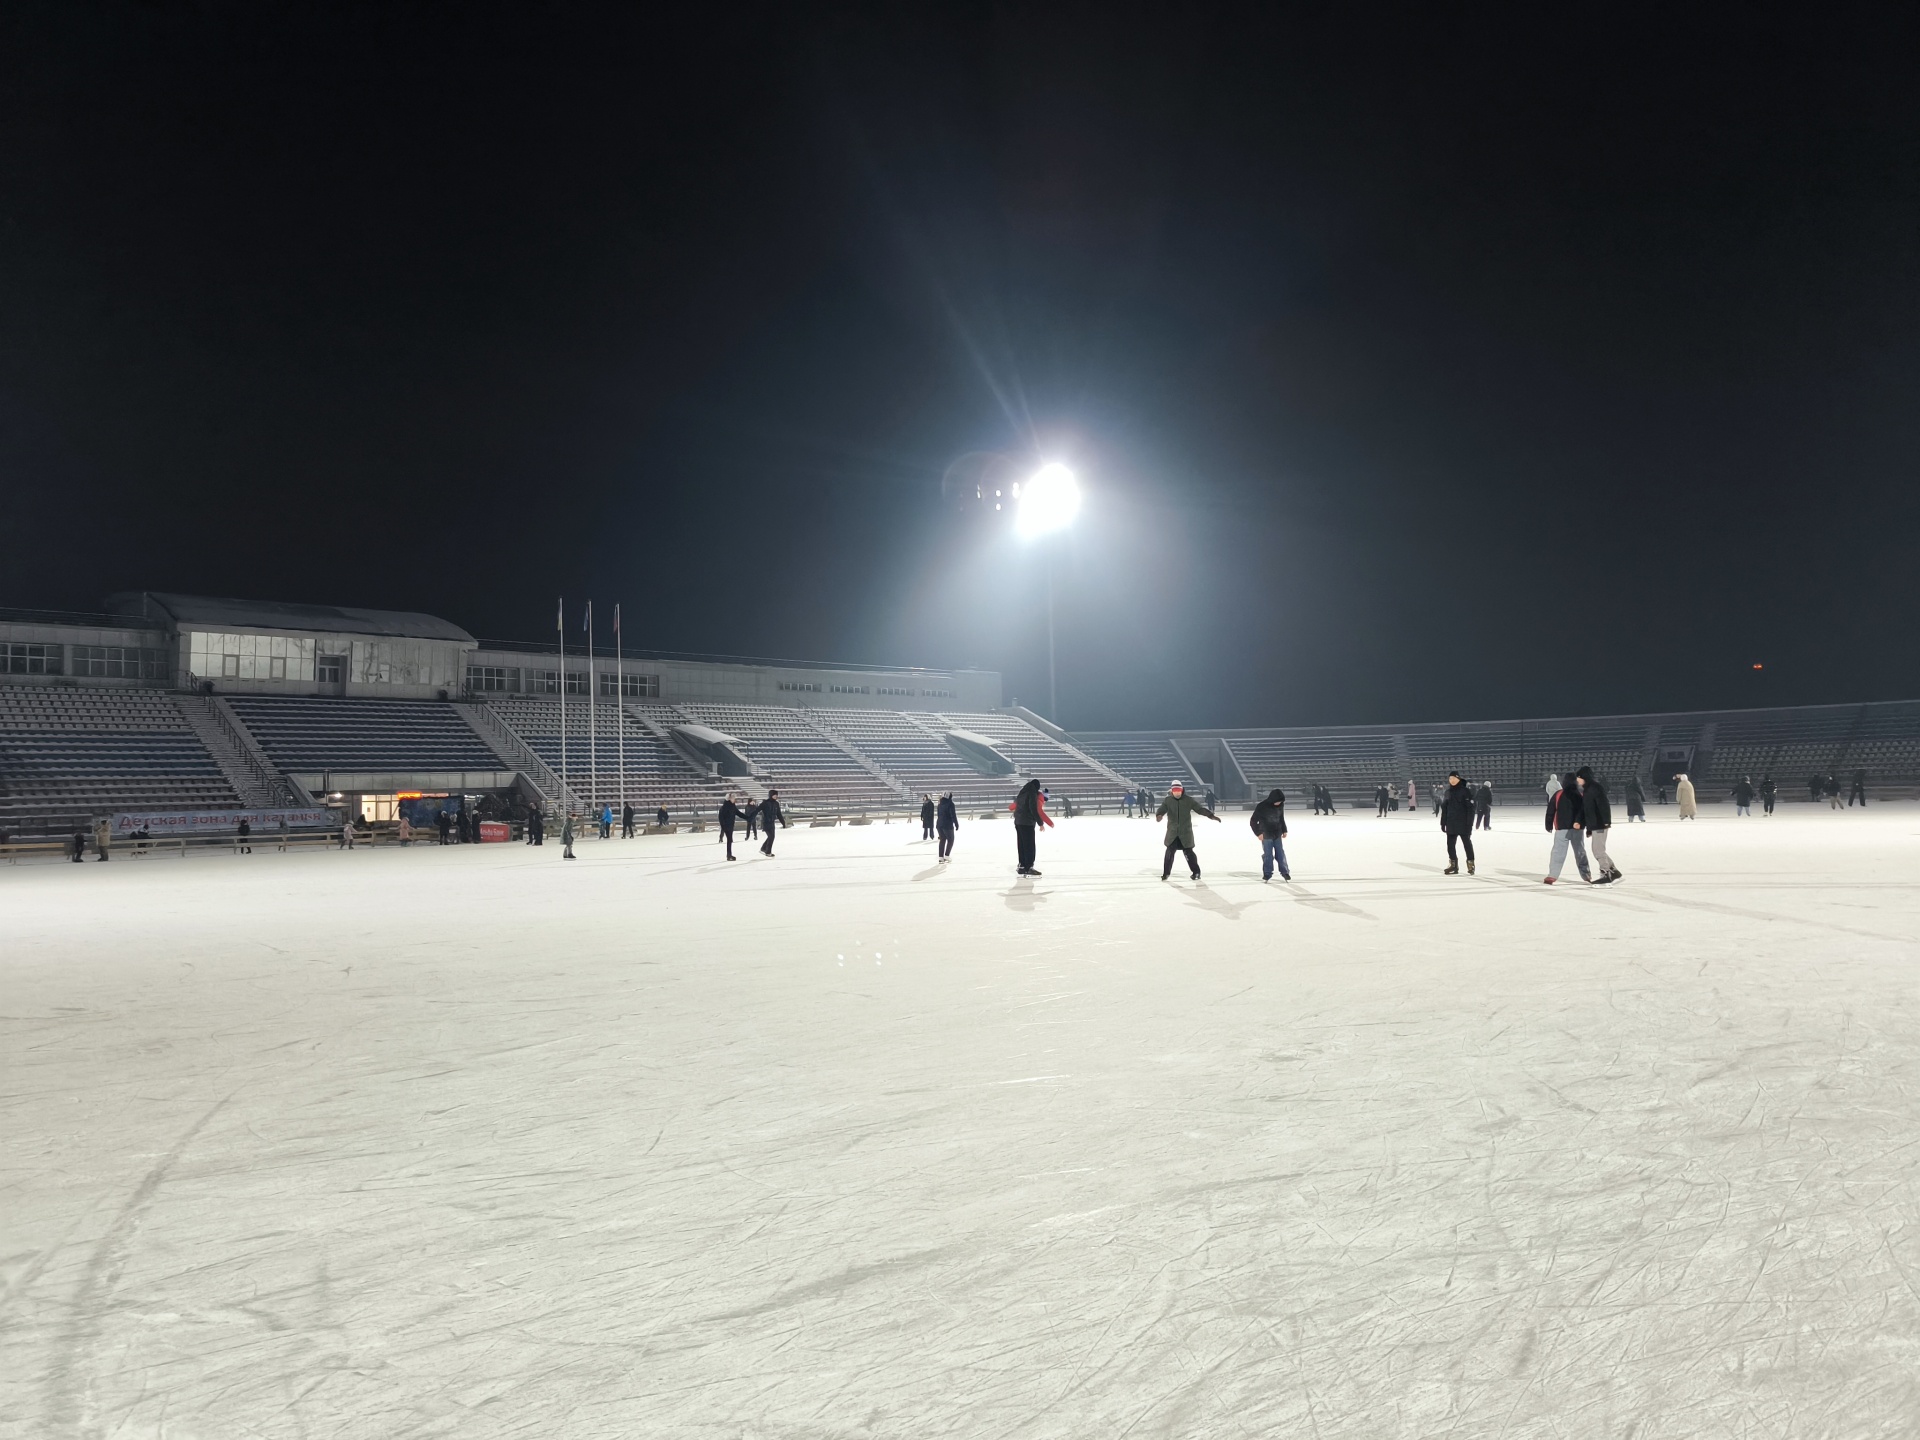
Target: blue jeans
(1273,854)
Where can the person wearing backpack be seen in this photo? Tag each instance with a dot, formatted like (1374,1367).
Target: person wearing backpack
(1565,822)
(1029,814)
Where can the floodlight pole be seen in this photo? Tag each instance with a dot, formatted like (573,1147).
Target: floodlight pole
(1053,677)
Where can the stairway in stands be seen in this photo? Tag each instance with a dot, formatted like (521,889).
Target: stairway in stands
(257,786)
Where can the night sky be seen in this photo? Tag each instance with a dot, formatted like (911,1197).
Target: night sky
(1453,365)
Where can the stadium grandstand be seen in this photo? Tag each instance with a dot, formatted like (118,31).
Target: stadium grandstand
(166,703)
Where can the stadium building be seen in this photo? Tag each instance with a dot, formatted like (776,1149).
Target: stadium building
(167,704)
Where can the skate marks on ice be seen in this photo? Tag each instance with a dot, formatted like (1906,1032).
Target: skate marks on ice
(69,1370)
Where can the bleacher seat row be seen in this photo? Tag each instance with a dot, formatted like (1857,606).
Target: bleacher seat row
(68,753)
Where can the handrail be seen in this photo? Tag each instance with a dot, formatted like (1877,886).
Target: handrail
(556,791)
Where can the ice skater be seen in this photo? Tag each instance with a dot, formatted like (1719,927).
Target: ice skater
(626,820)
(1029,814)
(566,837)
(536,826)
(1413,798)
(771,819)
(1683,792)
(243,838)
(1380,800)
(1483,806)
(927,809)
(1768,792)
(1178,810)
(1859,790)
(1743,796)
(1564,822)
(753,821)
(1636,801)
(729,813)
(1596,814)
(1456,819)
(1269,823)
(946,821)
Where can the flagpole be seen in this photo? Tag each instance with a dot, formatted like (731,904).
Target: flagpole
(563,700)
(593,723)
(620,703)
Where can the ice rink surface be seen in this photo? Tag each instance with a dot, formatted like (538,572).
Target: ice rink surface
(477,1143)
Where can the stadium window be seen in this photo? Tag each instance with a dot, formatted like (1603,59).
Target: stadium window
(489,678)
(543,682)
(576,682)
(18,659)
(640,687)
(120,662)
(331,669)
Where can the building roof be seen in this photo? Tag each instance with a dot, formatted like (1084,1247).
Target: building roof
(207,611)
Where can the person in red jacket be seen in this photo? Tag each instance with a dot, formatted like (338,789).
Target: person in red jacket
(1029,814)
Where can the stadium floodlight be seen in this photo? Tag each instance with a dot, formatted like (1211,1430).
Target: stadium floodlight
(1048,501)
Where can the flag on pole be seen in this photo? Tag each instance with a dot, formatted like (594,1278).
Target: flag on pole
(616,617)
(586,621)
(560,616)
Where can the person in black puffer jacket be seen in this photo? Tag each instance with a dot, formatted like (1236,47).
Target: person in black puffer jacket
(1566,822)
(1597,816)
(1270,824)
(1456,818)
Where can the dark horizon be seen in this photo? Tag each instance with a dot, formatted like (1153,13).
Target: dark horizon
(1466,368)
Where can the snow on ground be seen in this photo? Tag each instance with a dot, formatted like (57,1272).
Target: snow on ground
(475,1142)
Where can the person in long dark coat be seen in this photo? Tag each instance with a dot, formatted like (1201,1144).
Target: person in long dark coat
(1769,792)
(1743,794)
(1483,806)
(1636,801)
(926,817)
(1178,810)
(729,813)
(771,819)
(946,821)
(1858,790)
(626,820)
(1029,814)
(1456,819)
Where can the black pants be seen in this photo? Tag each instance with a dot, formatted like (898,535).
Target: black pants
(767,849)
(1465,839)
(1766,803)
(1023,843)
(1483,820)
(1859,792)
(946,842)
(726,837)
(1193,861)
(926,829)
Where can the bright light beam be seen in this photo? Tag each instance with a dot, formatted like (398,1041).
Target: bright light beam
(1048,502)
